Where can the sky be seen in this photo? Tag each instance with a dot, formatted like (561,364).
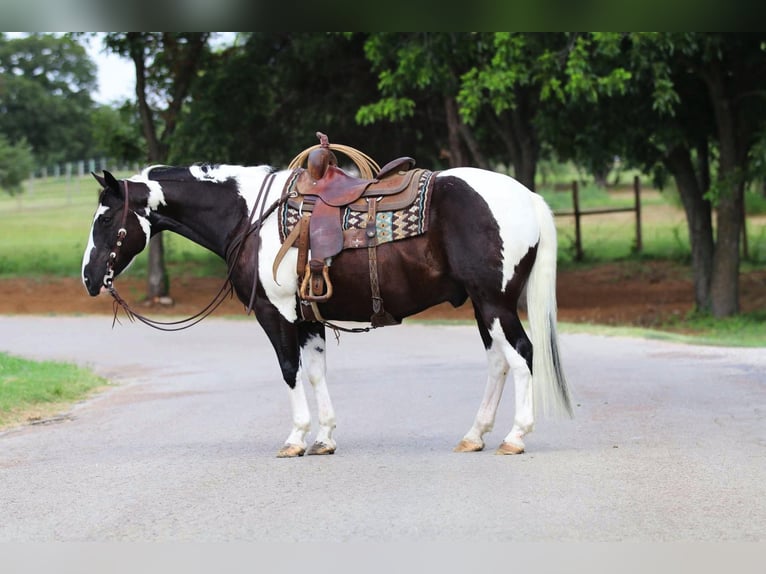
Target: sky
(116,75)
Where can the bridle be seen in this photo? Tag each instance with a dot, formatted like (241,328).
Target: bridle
(233,253)
(122,233)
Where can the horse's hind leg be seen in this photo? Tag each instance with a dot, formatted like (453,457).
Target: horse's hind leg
(485,419)
(518,352)
(507,348)
(312,341)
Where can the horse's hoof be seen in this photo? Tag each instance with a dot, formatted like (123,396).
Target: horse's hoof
(291,451)
(509,448)
(468,446)
(321,448)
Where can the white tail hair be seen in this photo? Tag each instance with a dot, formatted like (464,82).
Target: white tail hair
(550,391)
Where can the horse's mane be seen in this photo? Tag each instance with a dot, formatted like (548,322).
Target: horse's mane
(183,173)
(170,172)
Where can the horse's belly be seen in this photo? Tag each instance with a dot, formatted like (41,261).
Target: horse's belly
(412,277)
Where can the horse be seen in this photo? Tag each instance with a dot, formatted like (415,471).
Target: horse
(490,239)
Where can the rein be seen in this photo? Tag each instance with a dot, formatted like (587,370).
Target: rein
(233,253)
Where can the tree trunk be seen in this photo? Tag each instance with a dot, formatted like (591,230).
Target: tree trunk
(520,139)
(184,62)
(158,283)
(732,149)
(473,146)
(724,289)
(692,190)
(456,156)
(157,280)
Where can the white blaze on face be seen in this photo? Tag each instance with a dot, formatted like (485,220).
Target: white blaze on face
(513,208)
(102,209)
(249,180)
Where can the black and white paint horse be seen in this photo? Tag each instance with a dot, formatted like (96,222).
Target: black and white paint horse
(489,238)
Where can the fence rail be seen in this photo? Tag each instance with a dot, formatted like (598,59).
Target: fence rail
(579,213)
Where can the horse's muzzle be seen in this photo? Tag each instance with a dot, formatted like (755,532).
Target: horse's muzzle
(94,288)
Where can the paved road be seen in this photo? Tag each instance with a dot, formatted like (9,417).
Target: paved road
(668,443)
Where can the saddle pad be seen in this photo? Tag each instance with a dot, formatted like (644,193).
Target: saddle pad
(389,225)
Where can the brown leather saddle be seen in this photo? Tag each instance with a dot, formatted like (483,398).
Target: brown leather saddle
(321,192)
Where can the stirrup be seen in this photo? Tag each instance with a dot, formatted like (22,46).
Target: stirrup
(310,277)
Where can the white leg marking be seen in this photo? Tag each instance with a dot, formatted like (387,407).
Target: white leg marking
(485,418)
(301,415)
(314,359)
(524,419)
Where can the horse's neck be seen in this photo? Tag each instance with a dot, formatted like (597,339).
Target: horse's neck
(200,212)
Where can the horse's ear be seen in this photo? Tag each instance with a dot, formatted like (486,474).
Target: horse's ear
(111,182)
(108,182)
(99,179)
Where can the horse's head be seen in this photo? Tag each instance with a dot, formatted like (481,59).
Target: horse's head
(120,231)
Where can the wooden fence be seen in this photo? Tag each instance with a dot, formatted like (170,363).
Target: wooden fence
(579,213)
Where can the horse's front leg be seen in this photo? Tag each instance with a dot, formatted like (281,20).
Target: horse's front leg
(313,354)
(283,335)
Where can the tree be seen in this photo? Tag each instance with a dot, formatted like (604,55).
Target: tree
(265,97)
(166,64)
(534,83)
(45,86)
(698,103)
(16,162)
(419,73)
(117,133)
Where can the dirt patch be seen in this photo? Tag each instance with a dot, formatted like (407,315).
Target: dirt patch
(629,293)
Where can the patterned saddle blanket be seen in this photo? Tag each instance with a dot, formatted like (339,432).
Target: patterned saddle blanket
(390,224)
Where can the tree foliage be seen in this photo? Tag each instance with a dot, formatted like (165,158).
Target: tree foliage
(45,86)
(263,100)
(16,162)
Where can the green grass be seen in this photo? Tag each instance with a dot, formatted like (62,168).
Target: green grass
(746,330)
(31,390)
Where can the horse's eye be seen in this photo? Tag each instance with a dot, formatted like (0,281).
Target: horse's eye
(106,219)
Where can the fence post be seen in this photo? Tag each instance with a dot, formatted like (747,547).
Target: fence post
(576,205)
(637,195)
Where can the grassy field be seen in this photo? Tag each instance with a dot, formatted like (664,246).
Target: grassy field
(31,390)
(45,230)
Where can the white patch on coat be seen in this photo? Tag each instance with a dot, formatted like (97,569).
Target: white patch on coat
(156,195)
(512,205)
(281,292)
(146,226)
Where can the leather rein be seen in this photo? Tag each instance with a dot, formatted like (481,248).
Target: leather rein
(233,252)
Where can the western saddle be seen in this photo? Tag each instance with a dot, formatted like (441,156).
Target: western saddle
(321,192)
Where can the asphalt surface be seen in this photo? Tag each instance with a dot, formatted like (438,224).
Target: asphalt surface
(668,443)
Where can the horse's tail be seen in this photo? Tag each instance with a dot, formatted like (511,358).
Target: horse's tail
(550,390)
